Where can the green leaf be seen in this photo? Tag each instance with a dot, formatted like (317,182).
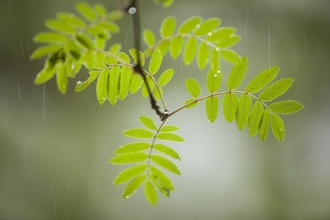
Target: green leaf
(215,59)
(149,37)
(99,61)
(229,105)
(148,122)
(163,46)
(193,87)
(278,127)
(125,57)
(133,53)
(102,86)
(169,128)
(167,164)
(71,19)
(80,86)
(86,11)
(89,59)
(220,33)
(170,137)
(237,74)
(228,41)
(113,84)
(50,37)
(264,125)
(125,81)
(130,173)
(133,186)
(61,26)
(133,148)
(230,56)
(139,133)
(115,48)
(145,92)
(207,26)
(192,101)
(61,79)
(255,118)
(243,111)
(44,50)
(261,80)
(212,108)
(158,92)
(190,50)
(276,89)
(286,107)
(136,83)
(85,41)
(129,158)
(176,45)
(167,150)
(155,62)
(168,27)
(189,25)
(202,55)
(166,3)
(45,74)
(150,193)
(165,77)
(213,81)
(162,178)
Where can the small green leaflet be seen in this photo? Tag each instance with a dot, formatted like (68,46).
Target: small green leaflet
(286,107)
(176,46)
(166,3)
(228,41)
(86,11)
(170,137)
(192,101)
(261,80)
(114,48)
(165,77)
(163,46)
(168,27)
(136,83)
(125,81)
(243,111)
(113,84)
(44,50)
(215,59)
(264,125)
(189,25)
(133,147)
(237,74)
(212,108)
(130,173)
(149,38)
(278,127)
(133,53)
(133,186)
(60,26)
(150,193)
(193,87)
(148,122)
(163,179)
(158,92)
(138,133)
(71,19)
(169,128)
(276,89)
(207,26)
(49,37)
(167,164)
(255,118)
(129,158)
(102,86)
(45,74)
(213,81)
(99,60)
(100,9)
(190,50)
(80,86)
(229,105)
(155,61)
(202,55)
(89,59)
(61,79)
(230,56)
(85,41)
(220,33)
(167,150)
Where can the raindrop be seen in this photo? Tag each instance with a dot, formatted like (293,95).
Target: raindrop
(132,10)
(210,34)
(44,101)
(18,91)
(79,82)
(22,47)
(246,22)
(198,25)
(218,71)
(268,46)
(55,207)
(51,186)
(217,49)
(305,46)
(215,75)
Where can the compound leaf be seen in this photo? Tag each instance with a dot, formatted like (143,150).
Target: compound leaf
(264,125)
(130,173)
(229,105)
(148,122)
(230,56)
(170,137)
(133,147)
(138,133)
(102,86)
(155,61)
(202,55)
(125,81)
(149,38)
(193,87)
(167,150)
(169,128)
(165,77)
(167,164)
(176,45)
(278,127)
(44,50)
(286,107)
(86,11)
(113,84)
(243,111)
(189,25)
(207,26)
(261,80)
(237,74)
(255,118)
(276,89)
(213,80)
(133,186)
(150,193)
(129,158)
(168,27)
(190,50)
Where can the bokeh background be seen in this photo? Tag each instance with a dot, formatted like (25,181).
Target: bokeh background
(54,149)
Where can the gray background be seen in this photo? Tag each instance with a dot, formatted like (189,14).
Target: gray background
(54,149)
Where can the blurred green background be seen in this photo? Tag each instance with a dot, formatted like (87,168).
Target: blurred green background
(54,149)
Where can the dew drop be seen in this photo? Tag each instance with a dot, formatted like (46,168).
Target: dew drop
(217,49)
(197,26)
(132,10)
(210,34)
(218,71)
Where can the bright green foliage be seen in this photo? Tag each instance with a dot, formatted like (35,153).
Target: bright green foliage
(278,127)
(102,86)
(150,193)
(237,74)
(133,186)
(165,77)
(113,84)
(148,122)
(276,89)
(44,50)
(80,86)
(286,107)
(189,25)
(133,53)
(264,125)
(125,81)
(133,148)
(149,38)
(191,103)
(130,173)
(255,118)
(166,3)
(170,137)
(215,59)
(213,81)
(212,108)
(229,106)
(168,27)
(155,61)
(169,128)
(190,50)
(230,56)
(203,55)
(207,26)
(261,80)
(167,164)
(220,33)
(243,111)
(129,158)
(167,150)
(193,87)
(61,79)
(86,11)
(176,46)
(138,133)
